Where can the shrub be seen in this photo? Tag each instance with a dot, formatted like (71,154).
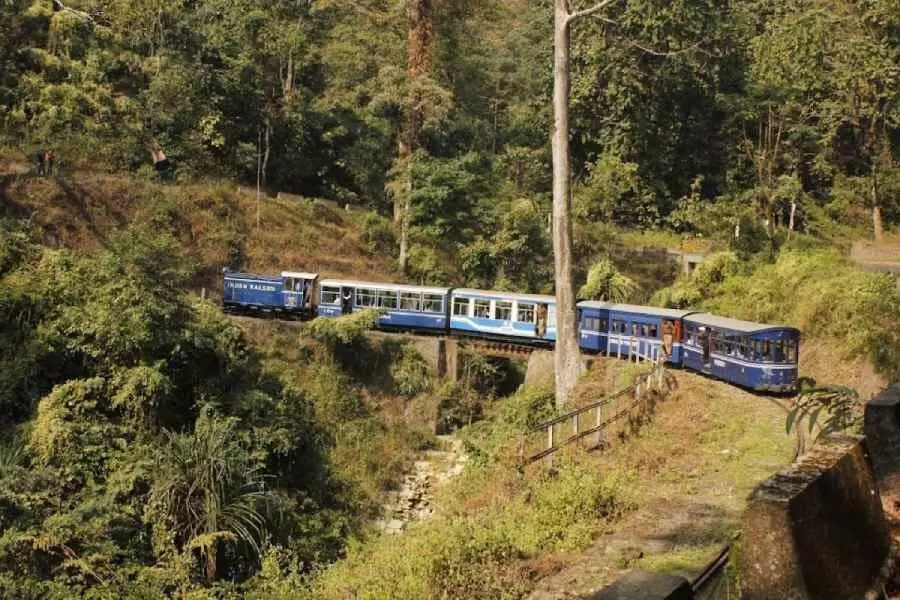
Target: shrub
(378,235)
(410,372)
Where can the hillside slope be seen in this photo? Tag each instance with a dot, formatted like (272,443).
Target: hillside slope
(216,223)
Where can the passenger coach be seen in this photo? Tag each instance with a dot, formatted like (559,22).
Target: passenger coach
(405,306)
(627,330)
(501,315)
(752,355)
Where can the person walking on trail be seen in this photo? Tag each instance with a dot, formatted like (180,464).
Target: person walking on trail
(48,162)
(39,162)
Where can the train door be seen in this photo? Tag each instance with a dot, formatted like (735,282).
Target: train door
(705,342)
(292,292)
(346,300)
(668,337)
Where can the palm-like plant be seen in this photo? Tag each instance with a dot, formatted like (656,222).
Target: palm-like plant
(606,282)
(209,490)
(841,407)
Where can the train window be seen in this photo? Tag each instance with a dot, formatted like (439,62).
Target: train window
(602,325)
(525,313)
(461,307)
(366,297)
(387,299)
(635,330)
(779,351)
(483,309)
(645,331)
(504,311)
(331,295)
(288,284)
(434,303)
(551,316)
(591,324)
(791,351)
(653,331)
(410,301)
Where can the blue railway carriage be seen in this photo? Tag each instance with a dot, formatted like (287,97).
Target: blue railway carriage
(502,315)
(593,326)
(751,355)
(405,306)
(646,331)
(289,292)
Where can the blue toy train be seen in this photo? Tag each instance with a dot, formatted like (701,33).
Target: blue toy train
(751,355)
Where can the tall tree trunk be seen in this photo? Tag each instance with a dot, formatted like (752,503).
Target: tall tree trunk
(268,151)
(420,34)
(877,223)
(567,356)
(791,220)
(402,206)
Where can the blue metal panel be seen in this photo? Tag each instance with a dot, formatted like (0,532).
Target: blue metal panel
(413,320)
(245,289)
(589,339)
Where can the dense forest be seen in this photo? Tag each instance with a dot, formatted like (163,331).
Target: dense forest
(698,116)
(150,446)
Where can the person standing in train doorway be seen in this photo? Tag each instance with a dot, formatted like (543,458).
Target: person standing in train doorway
(668,335)
(540,321)
(346,301)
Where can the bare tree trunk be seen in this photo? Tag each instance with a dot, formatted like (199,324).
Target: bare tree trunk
(405,205)
(420,33)
(258,172)
(791,221)
(265,160)
(877,223)
(567,357)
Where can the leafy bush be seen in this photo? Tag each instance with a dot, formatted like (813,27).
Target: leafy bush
(410,372)
(605,282)
(378,235)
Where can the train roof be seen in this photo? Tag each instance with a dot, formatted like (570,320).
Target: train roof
(402,287)
(506,295)
(237,275)
(711,320)
(299,275)
(671,313)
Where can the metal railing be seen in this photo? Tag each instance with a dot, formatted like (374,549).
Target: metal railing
(598,415)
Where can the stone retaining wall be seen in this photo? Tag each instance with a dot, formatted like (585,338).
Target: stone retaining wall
(882,429)
(816,529)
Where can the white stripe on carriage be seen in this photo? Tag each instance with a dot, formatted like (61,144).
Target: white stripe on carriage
(502,329)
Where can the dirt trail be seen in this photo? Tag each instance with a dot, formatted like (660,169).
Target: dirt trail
(708,446)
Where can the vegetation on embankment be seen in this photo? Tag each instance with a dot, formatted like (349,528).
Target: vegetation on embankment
(151,448)
(214,223)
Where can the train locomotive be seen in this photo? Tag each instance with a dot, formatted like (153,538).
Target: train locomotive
(755,356)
